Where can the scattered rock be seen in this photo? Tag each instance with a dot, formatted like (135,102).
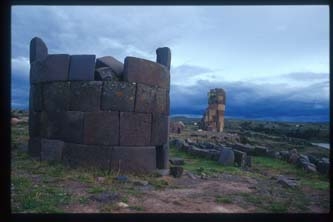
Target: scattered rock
(191,175)
(248,161)
(227,157)
(122,178)
(313,159)
(176,171)
(323,167)
(122,205)
(176,161)
(105,197)
(293,158)
(162,172)
(140,182)
(100,179)
(284,155)
(287,182)
(260,150)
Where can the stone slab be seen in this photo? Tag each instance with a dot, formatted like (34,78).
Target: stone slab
(151,99)
(55,68)
(135,129)
(38,49)
(82,67)
(56,96)
(111,62)
(106,74)
(164,56)
(85,95)
(89,156)
(133,159)
(35,98)
(147,72)
(51,150)
(118,96)
(162,156)
(34,148)
(35,124)
(227,157)
(66,126)
(160,129)
(162,101)
(101,128)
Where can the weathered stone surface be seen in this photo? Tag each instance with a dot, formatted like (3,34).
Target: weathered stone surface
(76,155)
(34,148)
(34,124)
(284,155)
(176,161)
(82,67)
(118,96)
(162,101)
(151,99)
(38,49)
(66,126)
(240,158)
(109,61)
(176,171)
(323,167)
(101,128)
(160,128)
(313,159)
(55,68)
(56,96)
(227,157)
(147,72)
(164,56)
(133,159)
(135,129)
(35,98)
(248,149)
(37,70)
(287,182)
(85,95)
(162,156)
(248,161)
(106,74)
(51,150)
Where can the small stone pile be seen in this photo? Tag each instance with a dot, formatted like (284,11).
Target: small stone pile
(99,112)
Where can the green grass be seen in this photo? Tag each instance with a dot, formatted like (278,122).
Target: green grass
(313,180)
(225,200)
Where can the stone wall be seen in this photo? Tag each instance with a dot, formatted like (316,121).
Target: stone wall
(213,119)
(99,112)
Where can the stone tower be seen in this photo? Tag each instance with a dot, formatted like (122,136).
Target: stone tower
(213,119)
(99,112)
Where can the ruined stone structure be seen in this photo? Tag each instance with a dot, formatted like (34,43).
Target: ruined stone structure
(99,112)
(213,118)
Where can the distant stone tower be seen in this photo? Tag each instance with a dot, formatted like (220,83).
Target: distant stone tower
(213,119)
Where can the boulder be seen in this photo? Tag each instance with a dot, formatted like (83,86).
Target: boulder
(82,67)
(227,157)
(146,72)
(285,155)
(164,56)
(313,159)
(176,161)
(293,158)
(176,171)
(106,74)
(135,129)
(85,95)
(287,182)
(260,151)
(323,167)
(38,49)
(108,61)
(118,96)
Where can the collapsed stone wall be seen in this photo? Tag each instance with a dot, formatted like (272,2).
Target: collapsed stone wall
(213,118)
(99,112)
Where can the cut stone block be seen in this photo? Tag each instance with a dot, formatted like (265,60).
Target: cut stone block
(162,156)
(82,67)
(145,98)
(34,124)
(85,95)
(56,96)
(106,74)
(55,68)
(164,56)
(227,157)
(147,72)
(35,98)
(135,129)
(162,101)
(37,70)
(133,159)
(160,129)
(240,158)
(176,171)
(118,96)
(38,49)
(51,150)
(101,128)
(109,61)
(66,126)
(34,148)
(79,155)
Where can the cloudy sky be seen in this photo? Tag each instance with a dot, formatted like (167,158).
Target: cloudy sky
(273,61)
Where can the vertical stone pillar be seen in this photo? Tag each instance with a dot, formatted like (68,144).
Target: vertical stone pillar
(164,56)
(162,156)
